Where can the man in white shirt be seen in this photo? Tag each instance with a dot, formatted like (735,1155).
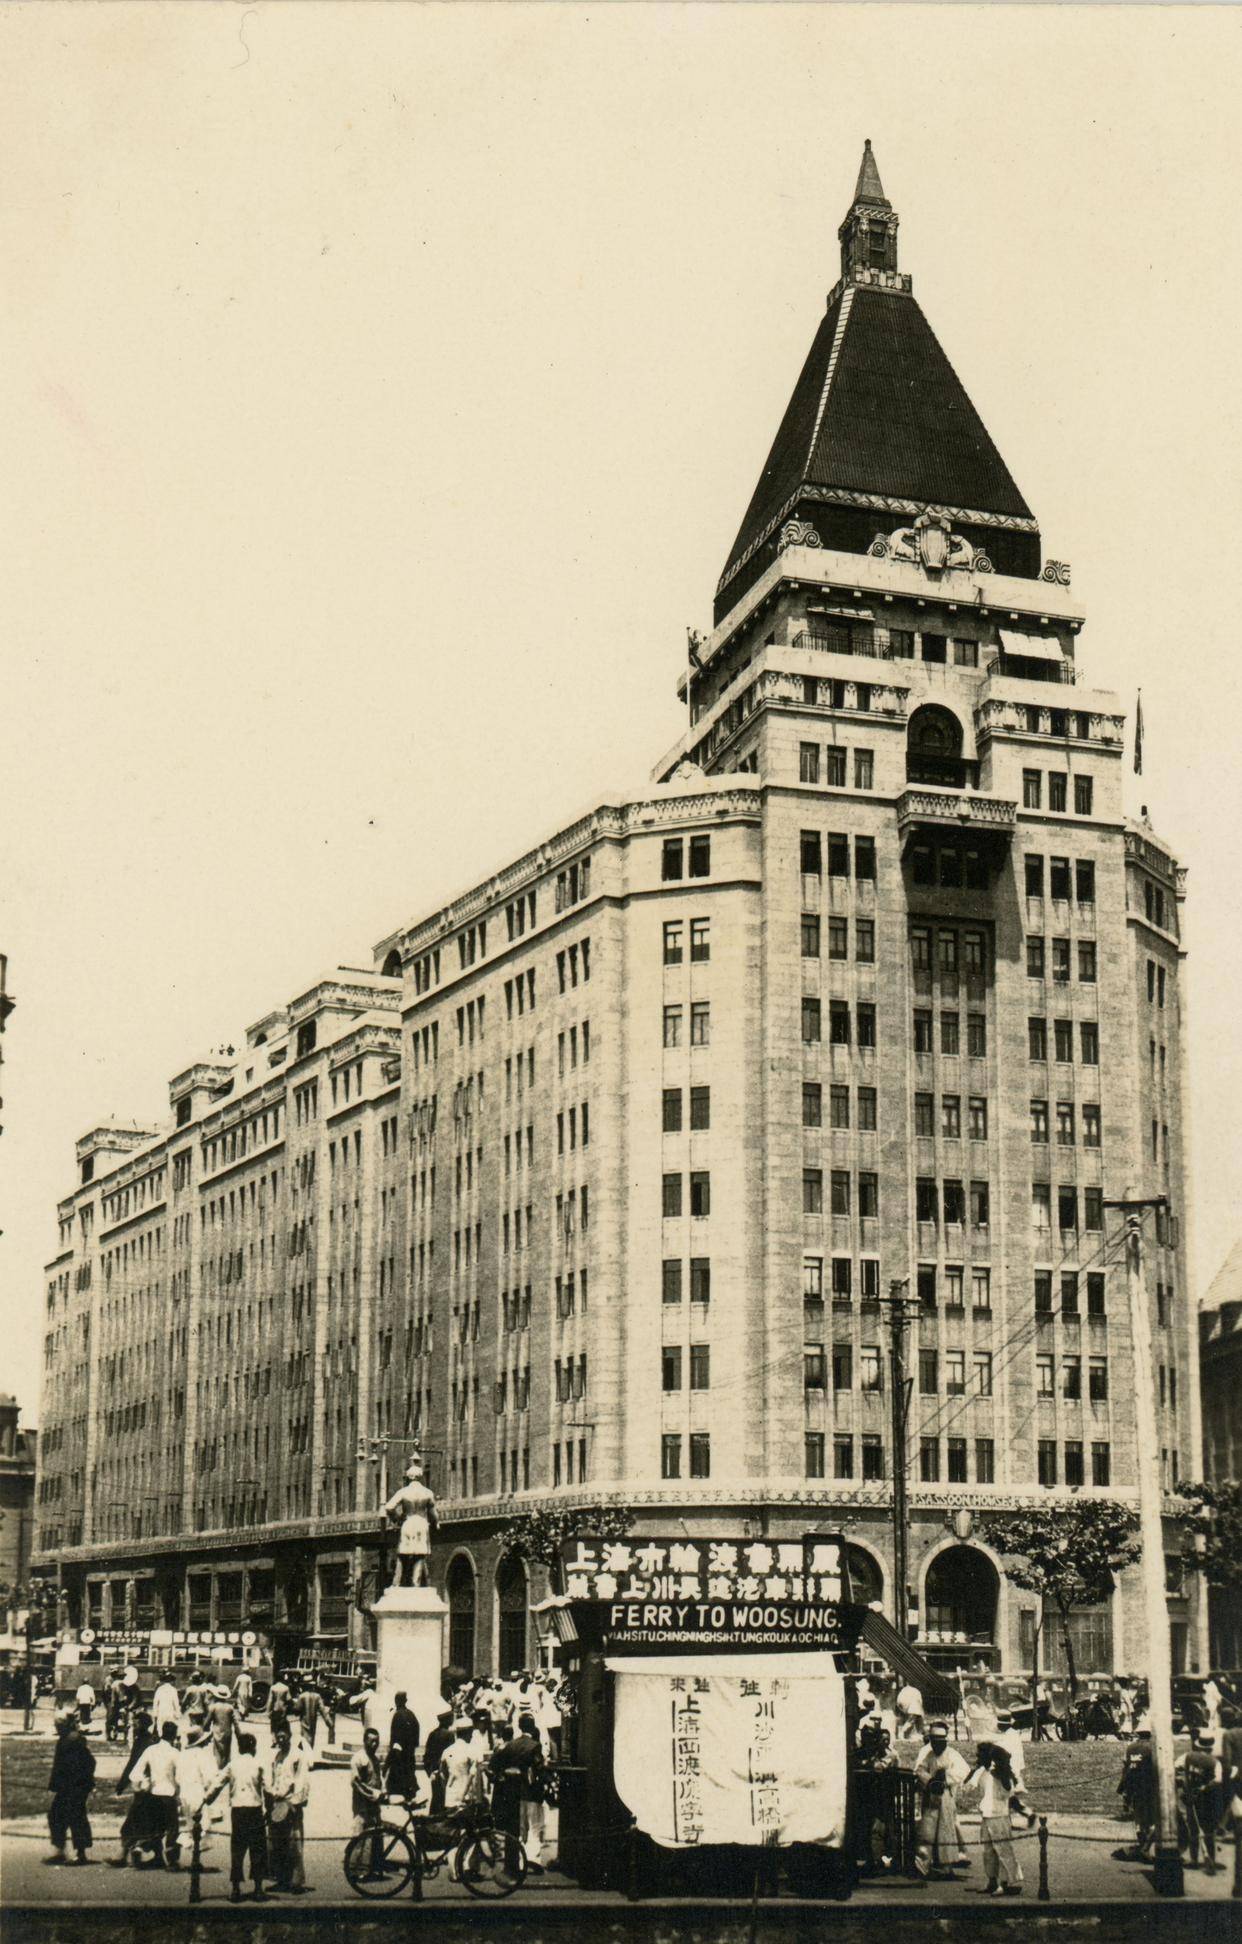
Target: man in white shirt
(286,1784)
(153,1779)
(85,1701)
(460,1769)
(1007,1737)
(165,1706)
(940,1771)
(909,1711)
(243,1778)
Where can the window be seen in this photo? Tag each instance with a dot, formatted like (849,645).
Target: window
(1060,961)
(1034,875)
(700,1366)
(866,1023)
(949,1037)
(838,1022)
(1071,1379)
(672,1025)
(868,1196)
(700,1193)
(1084,881)
(700,1279)
(957,1461)
(978,1118)
(1090,1125)
(1034,958)
(983,1372)
(834,768)
(1086,961)
(929,1373)
(813,1279)
(1065,1123)
(1067,1209)
(901,644)
(838,938)
(1041,1204)
(814,1448)
(867,1109)
(700,1109)
(977,1035)
(864,857)
(812,1104)
(808,762)
(673,942)
(1063,1038)
(812,1191)
(1032,793)
(1101,1464)
(954,1202)
(842,1367)
(1043,1292)
(670,1367)
(1039,1122)
(864,940)
(700,940)
(981,1289)
(838,854)
(671,1280)
(925,1115)
(1093,1208)
(671,868)
(840,1191)
(1089,1037)
(953,1286)
(922,1031)
(672,1110)
(814,1371)
(864,769)
(1046,1459)
(926,1200)
(870,1368)
(1084,790)
(1073,1462)
(700,1023)
(810,935)
(672,1194)
(1037,1038)
(929,1460)
(1069,1292)
(700,1455)
(700,866)
(926,1285)
(811,1022)
(842,1457)
(951,1117)
(839,1106)
(985,1461)
(670,1455)
(1045,1375)
(1097,1379)
(1095,1293)
(1056,792)
(955,1372)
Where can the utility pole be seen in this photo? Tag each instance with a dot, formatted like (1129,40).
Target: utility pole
(1167,1871)
(900,1412)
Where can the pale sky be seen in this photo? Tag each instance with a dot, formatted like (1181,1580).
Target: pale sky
(382,389)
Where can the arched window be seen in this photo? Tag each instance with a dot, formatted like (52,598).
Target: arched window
(392,964)
(866,1579)
(511,1604)
(934,748)
(461,1600)
(960,1597)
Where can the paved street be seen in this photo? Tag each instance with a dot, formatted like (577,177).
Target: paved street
(1081,1864)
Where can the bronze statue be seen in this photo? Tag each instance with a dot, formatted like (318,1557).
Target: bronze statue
(413,1507)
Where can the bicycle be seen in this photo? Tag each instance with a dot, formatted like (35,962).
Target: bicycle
(383,1861)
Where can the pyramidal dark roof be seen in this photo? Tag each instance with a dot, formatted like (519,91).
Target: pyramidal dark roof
(878,415)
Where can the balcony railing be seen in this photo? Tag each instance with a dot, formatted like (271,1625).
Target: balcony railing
(1020,668)
(961,809)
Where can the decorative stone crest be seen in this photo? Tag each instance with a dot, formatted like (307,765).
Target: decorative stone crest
(1057,571)
(932,545)
(798,533)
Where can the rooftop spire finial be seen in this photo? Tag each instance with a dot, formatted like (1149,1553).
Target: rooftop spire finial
(869,188)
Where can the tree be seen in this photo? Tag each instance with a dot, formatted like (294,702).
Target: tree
(1069,1554)
(538,1536)
(1213,1515)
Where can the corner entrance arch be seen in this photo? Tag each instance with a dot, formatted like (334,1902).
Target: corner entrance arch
(960,1595)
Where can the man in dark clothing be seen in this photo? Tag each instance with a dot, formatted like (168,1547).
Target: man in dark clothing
(402,1769)
(1137,1789)
(437,1741)
(517,1786)
(71,1781)
(308,1707)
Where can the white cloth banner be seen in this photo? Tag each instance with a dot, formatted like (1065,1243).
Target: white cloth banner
(731,1748)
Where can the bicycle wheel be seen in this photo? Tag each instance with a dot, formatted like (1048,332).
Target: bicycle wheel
(380,1862)
(491,1864)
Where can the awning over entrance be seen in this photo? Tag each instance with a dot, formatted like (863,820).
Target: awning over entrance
(1030,647)
(883,1638)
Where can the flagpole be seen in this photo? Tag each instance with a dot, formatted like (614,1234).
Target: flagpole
(1138,735)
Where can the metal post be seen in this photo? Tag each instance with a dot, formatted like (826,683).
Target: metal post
(196,1858)
(897,1383)
(1043,1894)
(1167,1871)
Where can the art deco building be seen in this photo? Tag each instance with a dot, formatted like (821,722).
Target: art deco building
(874,985)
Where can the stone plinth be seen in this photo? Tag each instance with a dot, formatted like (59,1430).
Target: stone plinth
(409,1623)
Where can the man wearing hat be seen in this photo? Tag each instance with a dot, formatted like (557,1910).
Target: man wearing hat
(1202,1797)
(460,1770)
(220,1718)
(940,1771)
(166,1705)
(437,1741)
(1137,1789)
(1007,1737)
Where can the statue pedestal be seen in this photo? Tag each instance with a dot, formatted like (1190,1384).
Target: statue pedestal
(410,1653)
